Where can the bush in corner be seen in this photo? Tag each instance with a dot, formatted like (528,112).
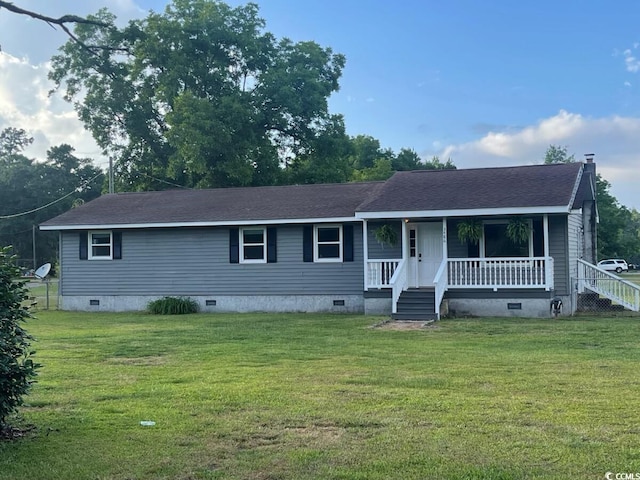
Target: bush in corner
(173,306)
(17,369)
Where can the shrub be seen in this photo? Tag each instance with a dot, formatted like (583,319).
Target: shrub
(173,306)
(17,369)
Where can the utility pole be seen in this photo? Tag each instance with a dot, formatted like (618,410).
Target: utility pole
(110,175)
(33,241)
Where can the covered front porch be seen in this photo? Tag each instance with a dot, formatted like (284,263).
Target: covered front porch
(430,255)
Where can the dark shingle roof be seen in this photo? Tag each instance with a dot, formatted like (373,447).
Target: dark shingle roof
(220,205)
(425,190)
(478,188)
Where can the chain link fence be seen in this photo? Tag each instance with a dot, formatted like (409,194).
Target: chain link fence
(43,295)
(589,297)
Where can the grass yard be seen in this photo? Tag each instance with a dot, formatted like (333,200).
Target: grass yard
(633,277)
(327,397)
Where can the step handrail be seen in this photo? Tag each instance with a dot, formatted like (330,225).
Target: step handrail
(398,283)
(441,283)
(619,290)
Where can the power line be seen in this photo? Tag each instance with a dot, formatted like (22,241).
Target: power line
(163,181)
(5,217)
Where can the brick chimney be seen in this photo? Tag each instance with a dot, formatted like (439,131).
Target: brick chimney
(590,214)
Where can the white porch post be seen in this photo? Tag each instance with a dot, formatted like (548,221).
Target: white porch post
(445,253)
(545,230)
(365,253)
(548,271)
(405,240)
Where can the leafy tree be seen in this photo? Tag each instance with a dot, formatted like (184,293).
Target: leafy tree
(17,368)
(631,234)
(27,185)
(614,239)
(407,159)
(381,170)
(558,154)
(327,158)
(371,162)
(618,233)
(200,95)
(436,164)
(365,151)
(12,142)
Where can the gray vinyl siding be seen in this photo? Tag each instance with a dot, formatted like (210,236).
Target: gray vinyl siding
(575,242)
(378,251)
(558,249)
(455,248)
(196,262)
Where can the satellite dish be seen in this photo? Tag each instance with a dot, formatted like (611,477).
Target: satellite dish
(43,271)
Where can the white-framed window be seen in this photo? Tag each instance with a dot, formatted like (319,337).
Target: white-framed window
(253,245)
(327,243)
(100,245)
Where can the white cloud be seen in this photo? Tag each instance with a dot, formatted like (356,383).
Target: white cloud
(24,103)
(631,62)
(615,140)
(27,46)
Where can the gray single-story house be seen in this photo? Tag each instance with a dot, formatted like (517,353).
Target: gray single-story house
(311,248)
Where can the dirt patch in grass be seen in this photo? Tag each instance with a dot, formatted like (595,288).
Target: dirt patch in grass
(9,433)
(143,361)
(405,325)
(318,432)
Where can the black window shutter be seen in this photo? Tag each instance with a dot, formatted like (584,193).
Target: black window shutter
(83,237)
(347,243)
(117,245)
(307,243)
(272,244)
(234,245)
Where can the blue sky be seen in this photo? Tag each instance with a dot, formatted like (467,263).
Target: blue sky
(485,83)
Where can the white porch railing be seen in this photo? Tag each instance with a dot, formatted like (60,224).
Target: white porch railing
(499,273)
(399,282)
(379,272)
(495,273)
(608,285)
(441,286)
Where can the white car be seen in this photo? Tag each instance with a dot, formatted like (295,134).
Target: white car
(614,265)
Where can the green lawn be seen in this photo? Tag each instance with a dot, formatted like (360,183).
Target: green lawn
(633,276)
(327,397)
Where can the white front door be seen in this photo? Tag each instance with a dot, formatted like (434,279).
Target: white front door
(428,253)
